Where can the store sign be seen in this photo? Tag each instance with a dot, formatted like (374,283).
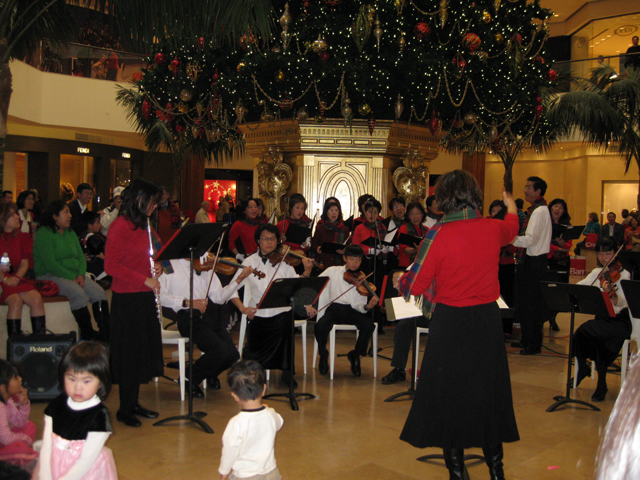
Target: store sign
(83,150)
(126,155)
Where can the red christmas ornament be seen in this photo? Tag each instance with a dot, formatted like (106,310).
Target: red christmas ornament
(169,106)
(200,43)
(180,128)
(146,110)
(160,58)
(175,65)
(286,103)
(538,99)
(552,75)
(517,38)
(539,59)
(539,109)
(246,41)
(460,62)
(324,56)
(422,30)
(160,114)
(434,124)
(215,78)
(471,41)
(371,123)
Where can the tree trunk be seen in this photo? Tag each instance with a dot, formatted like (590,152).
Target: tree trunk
(6,80)
(508,179)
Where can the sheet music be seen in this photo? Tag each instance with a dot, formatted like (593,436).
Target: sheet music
(389,236)
(501,303)
(402,309)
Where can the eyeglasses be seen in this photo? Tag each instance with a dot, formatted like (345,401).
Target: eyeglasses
(267,239)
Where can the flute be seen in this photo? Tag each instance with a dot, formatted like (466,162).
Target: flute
(153,274)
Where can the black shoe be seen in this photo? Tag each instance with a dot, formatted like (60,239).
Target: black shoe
(323,364)
(517,345)
(531,351)
(196,391)
(144,412)
(129,419)
(354,358)
(554,325)
(600,393)
(214,383)
(396,375)
(287,378)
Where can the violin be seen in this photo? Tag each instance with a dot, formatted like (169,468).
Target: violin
(359,279)
(292,258)
(611,274)
(224,266)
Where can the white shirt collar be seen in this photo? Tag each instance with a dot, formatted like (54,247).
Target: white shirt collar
(73,405)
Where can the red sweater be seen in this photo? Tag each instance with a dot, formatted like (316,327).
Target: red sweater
(464,260)
(127,257)
(245,233)
(404,259)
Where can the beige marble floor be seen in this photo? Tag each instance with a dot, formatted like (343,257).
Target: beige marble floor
(349,432)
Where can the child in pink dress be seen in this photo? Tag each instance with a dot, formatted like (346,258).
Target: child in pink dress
(17,433)
(76,423)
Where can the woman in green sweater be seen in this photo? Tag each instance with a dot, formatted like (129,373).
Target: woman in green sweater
(58,257)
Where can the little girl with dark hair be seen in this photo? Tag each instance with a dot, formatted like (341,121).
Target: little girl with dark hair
(76,423)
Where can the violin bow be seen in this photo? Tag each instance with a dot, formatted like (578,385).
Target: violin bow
(343,293)
(213,269)
(273,277)
(607,265)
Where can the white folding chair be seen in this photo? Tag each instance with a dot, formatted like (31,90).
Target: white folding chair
(301,324)
(173,337)
(332,347)
(635,336)
(416,351)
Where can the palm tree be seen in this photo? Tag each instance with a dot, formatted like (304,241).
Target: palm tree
(605,110)
(23,25)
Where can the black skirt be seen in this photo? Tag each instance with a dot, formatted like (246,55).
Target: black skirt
(463,398)
(601,338)
(136,340)
(268,341)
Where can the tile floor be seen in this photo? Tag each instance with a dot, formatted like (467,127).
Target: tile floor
(349,432)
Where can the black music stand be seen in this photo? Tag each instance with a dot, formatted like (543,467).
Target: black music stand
(565,297)
(296,293)
(631,289)
(192,241)
(631,262)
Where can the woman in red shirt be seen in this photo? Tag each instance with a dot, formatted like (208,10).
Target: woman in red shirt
(632,236)
(330,229)
(241,236)
(463,398)
(136,341)
(413,219)
(296,216)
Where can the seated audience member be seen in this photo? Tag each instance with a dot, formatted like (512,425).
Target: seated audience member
(15,290)
(110,213)
(26,202)
(632,236)
(79,207)
(350,308)
(625,217)
(612,229)
(58,257)
(7,196)
(209,332)
(241,236)
(93,244)
(601,338)
(413,225)
(433,214)
(330,229)
(404,334)
(203,214)
(592,226)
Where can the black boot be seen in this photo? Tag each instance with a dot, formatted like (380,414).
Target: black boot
(493,457)
(101,314)
(601,388)
(83,319)
(454,460)
(14,327)
(38,325)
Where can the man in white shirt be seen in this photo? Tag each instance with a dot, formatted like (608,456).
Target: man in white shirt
(109,214)
(350,308)
(612,229)
(209,333)
(203,214)
(78,207)
(531,309)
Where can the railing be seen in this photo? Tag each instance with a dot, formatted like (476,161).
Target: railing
(582,68)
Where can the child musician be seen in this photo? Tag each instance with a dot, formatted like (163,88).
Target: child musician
(248,441)
(345,306)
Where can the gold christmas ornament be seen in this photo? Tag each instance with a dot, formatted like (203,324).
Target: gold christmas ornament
(320,45)
(302,113)
(192,70)
(399,107)
(364,109)
(285,19)
(470,118)
(240,66)
(499,39)
(400,4)
(486,17)
(412,178)
(484,56)
(361,28)
(185,95)
(241,111)
(377,32)
(183,108)
(279,76)
(402,42)
(444,12)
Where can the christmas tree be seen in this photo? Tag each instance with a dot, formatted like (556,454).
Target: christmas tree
(473,70)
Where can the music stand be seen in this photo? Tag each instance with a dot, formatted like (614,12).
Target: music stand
(292,292)
(631,289)
(192,241)
(631,262)
(565,297)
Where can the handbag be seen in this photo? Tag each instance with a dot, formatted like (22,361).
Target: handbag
(47,288)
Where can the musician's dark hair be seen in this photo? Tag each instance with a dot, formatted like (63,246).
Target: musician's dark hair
(82,187)
(362,199)
(372,203)
(519,203)
(606,244)
(565,219)
(23,196)
(353,251)
(456,191)
(136,199)
(295,199)
(260,204)
(246,379)
(538,184)
(7,210)
(410,207)
(89,217)
(395,200)
(243,205)
(327,205)
(268,227)
(430,200)
(8,371)
(88,357)
(54,208)
(4,193)
(503,209)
